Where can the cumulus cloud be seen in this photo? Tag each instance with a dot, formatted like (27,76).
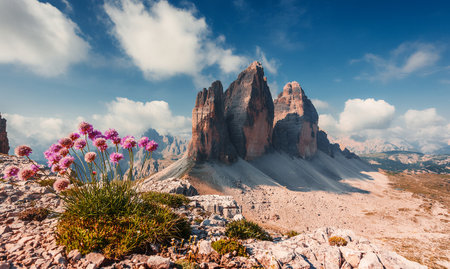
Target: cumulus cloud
(125,115)
(270,65)
(39,36)
(407,59)
(135,117)
(372,126)
(319,104)
(164,41)
(361,114)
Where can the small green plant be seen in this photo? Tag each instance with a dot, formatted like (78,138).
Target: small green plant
(337,241)
(46,182)
(36,213)
(112,218)
(169,199)
(224,246)
(186,264)
(244,229)
(291,233)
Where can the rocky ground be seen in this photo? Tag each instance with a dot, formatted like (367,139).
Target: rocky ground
(396,218)
(32,244)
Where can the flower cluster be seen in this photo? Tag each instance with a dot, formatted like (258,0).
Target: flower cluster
(84,156)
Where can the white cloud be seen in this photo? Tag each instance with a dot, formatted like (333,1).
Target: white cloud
(165,41)
(270,65)
(407,59)
(133,117)
(274,89)
(127,116)
(371,126)
(38,36)
(319,104)
(422,118)
(361,114)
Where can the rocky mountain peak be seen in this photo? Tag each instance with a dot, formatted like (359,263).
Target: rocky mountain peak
(249,112)
(210,140)
(4,144)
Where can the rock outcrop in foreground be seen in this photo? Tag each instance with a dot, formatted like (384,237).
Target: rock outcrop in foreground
(246,122)
(4,144)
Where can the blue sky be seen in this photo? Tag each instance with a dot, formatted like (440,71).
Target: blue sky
(375,69)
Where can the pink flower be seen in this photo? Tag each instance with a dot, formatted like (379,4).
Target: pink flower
(22,151)
(143,142)
(26,173)
(11,171)
(54,159)
(66,162)
(80,144)
(56,168)
(151,146)
(115,157)
(66,142)
(111,133)
(90,157)
(94,134)
(74,136)
(35,168)
(100,143)
(116,140)
(128,142)
(61,184)
(63,152)
(84,128)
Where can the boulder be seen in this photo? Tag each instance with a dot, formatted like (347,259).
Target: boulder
(4,144)
(210,140)
(158,262)
(295,122)
(224,206)
(249,112)
(170,185)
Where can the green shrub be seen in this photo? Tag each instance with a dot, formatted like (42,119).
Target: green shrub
(337,241)
(186,264)
(46,182)
(224,246)
(244,229)
(172,200)
(291,234)
(112,218)
(36,213)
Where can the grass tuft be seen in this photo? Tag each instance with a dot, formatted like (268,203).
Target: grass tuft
(112,218)
(169,199)
(291,233)
(36,213)
(337,241)
(224,246)
(244,229)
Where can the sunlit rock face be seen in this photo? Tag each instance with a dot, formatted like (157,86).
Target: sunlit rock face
(210,140)
(4,144)
(295,122)
(249,113)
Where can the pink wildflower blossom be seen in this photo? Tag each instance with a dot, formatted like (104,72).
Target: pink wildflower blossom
(54,159)
(26,173)
(66,142)
(111,133)
(63,152)
(116,140)
(151,146)
(100,143)
(22,151)
(143,142)
(35,168)
(66,162)
(61,184)
(90,157)
(84,128)
(11,171)
(74,136)
(128,142)
(94,134)
(80,144)
(115,157)
(56,168)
